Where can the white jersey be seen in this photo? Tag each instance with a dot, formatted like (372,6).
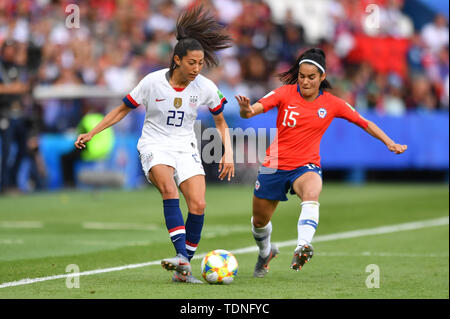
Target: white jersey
(171,113)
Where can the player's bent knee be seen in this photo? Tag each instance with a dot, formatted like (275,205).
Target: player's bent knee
(310,196)
(168,192)
(197,206)
(260,222)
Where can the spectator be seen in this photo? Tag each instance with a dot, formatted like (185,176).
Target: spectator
(162,22)
(99,149)
(393,100)
(38,170)
(13,130)
(255,73)
(420,95)
(445,95)
(435,34)
(392,21)
(117,40)
(415,54)
(228,10)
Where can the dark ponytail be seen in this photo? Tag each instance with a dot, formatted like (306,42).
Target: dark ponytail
(196,29)
(315,54)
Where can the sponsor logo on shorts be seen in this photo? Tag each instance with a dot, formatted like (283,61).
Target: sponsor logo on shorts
(257,185)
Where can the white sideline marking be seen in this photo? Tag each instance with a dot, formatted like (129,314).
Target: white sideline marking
(359,233)
(118,226)
(344,235)
(223,230)
(11,241)
(21,224)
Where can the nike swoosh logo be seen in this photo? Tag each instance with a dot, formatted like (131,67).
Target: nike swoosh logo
(292,107)
(159,100)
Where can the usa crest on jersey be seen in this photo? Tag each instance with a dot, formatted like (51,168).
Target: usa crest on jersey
(193,99)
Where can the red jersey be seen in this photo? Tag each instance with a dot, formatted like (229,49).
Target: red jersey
(301,125)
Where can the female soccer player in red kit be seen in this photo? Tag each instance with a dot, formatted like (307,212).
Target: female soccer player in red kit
(292,161)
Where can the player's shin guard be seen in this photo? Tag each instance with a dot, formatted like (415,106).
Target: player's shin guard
(307,222)
(175,225)
(194,225)
(262,238)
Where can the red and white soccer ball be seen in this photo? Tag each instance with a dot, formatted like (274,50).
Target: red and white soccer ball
(219,267)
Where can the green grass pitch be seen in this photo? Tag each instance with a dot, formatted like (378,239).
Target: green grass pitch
(41,234)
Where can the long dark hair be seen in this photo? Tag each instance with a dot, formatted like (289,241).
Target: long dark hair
(197,29)
(315,54)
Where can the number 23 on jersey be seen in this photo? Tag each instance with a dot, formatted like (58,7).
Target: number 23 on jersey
(175,118)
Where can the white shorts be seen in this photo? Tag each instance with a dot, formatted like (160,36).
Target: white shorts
(186,164)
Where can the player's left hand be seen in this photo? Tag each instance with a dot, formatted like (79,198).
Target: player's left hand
(82,139)
(226,167)
(397,148)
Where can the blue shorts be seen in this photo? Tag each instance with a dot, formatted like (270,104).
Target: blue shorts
(274,184)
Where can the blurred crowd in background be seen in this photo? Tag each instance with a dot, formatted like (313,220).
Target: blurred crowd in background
(118,42)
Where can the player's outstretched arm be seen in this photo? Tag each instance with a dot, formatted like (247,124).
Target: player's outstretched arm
(247,110)
(226,165)
(110,119)
(378,133)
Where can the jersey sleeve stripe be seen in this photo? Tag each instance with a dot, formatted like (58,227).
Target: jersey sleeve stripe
(219,108)
(362,123)
(130,102)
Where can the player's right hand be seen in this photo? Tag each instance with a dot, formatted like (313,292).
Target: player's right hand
(244,103)
(226,166)
(81,141)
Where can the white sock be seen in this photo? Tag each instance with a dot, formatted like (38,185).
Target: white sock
(307,222)
(262,238)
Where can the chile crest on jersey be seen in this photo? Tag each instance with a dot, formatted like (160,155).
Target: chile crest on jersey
(322,112)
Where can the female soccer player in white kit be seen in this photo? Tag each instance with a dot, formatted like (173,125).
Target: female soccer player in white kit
(168,146)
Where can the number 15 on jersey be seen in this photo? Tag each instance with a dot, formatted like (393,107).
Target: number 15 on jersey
(289,118)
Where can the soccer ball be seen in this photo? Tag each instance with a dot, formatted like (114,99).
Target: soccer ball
(219,267)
